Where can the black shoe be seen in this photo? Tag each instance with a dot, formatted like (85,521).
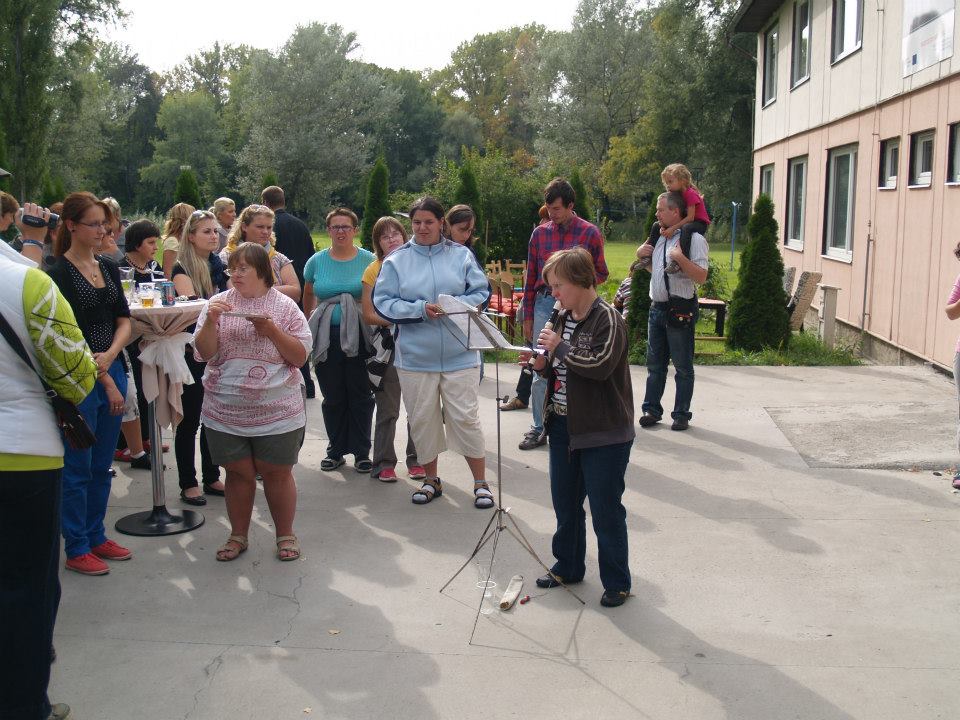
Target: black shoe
(681,423)
(363,465)
(329,463)
(532,439)
(549,581)
(141,463)
(112,471)
(613,598)
(648,420)
(199,501)
(209,489)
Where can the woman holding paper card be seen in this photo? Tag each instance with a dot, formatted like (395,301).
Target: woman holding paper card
(255,340)
(437,374)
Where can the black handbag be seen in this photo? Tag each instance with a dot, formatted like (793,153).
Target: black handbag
(76,432)
(681,311)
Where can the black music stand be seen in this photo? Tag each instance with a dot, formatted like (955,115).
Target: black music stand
(478,325)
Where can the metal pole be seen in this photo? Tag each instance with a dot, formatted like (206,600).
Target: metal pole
(733,232)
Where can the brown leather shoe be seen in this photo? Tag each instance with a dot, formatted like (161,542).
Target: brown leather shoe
(513,404)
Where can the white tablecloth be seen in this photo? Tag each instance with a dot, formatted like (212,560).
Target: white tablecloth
(162,346)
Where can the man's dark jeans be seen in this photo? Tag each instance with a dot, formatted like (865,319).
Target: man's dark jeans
(665,343)
(29,589)
(596,473)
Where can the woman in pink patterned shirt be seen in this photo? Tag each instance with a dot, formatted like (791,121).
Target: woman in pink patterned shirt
(254,340)
(953,312)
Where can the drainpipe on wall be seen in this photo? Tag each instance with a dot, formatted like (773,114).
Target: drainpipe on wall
(866,275)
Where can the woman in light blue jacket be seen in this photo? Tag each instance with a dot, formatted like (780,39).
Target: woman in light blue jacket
(437,373)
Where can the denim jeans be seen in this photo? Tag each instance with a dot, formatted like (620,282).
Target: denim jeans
(542,309)
(665,343)
(29,588)
(86,473)
(595,473)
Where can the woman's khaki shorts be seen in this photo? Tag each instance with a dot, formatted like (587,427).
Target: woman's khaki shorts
(282,449)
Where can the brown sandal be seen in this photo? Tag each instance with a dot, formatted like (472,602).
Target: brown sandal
(431,488)
(232,548)
(292,547)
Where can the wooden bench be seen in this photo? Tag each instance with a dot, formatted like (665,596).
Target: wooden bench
(720,306)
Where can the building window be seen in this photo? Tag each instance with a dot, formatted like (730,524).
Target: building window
(796,200)
(889,162)
(766,180)
(847,27)
(770,45)
(953,158)
(800,60)
(841,186)
(921,159)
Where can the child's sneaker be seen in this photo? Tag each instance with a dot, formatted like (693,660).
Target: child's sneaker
(672,268)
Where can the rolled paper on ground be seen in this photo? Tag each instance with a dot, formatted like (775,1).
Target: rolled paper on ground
(512,592)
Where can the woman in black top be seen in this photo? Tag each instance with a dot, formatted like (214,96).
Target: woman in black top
(198,271)
(91,285)
(141,239)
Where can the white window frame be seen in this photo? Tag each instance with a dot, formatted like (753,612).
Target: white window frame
(800,67)
(771,47)
(846,154)
(796,205)
(953,154)
(921,159)
(766,180)
(889,163)
(846,35)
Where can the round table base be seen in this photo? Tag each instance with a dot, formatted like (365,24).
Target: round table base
(159,521)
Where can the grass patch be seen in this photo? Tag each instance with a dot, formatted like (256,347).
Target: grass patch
(804,350)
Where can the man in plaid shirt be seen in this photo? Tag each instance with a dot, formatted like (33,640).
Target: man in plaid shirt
(564,230)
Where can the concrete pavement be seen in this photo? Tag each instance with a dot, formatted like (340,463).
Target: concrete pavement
(782,569)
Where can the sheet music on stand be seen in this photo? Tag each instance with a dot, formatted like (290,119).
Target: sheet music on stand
(473,328)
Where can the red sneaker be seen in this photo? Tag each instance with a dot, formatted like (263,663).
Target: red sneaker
(122,455)
(387,475)
(164,447)
(417,472)
(87,564)
(111,551)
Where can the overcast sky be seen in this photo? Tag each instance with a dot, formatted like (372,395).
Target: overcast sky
(415,34)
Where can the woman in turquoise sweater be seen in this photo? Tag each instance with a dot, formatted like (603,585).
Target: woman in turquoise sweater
(331,296)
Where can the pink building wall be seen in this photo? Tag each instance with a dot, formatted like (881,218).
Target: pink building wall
(914,230)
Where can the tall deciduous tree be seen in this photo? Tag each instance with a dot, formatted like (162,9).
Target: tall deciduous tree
(411,136)
(697,100)
(591,82)
(191,136)
(311,112)
(33,31)
(490,77)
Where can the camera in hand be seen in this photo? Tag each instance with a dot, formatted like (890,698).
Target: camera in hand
(39,222)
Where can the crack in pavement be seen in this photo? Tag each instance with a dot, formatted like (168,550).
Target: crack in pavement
(210,670)
(296,601)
